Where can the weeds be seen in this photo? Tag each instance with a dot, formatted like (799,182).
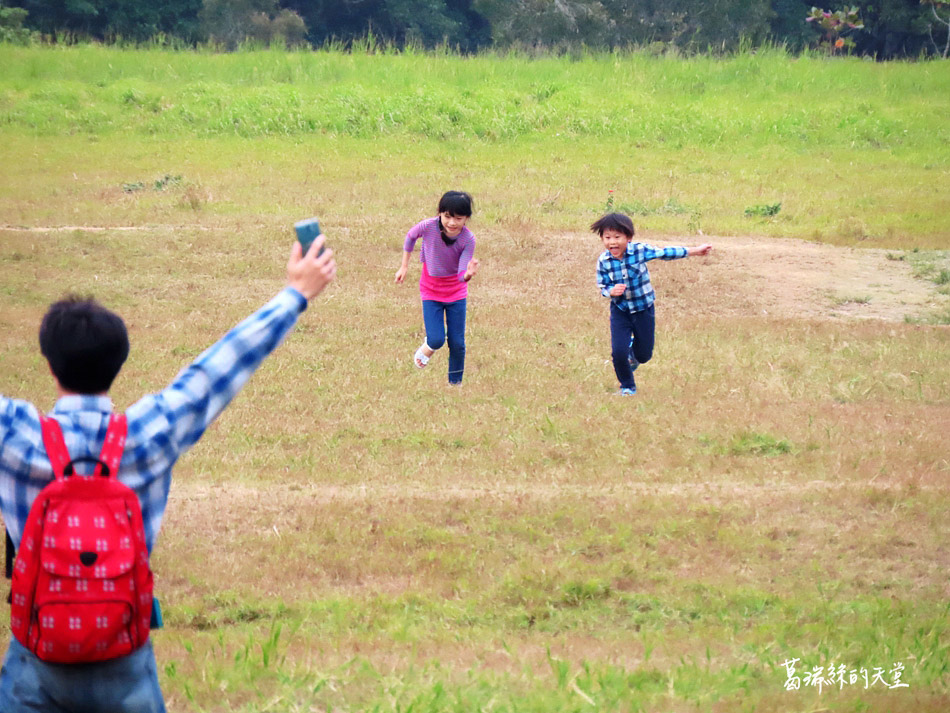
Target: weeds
(760,444)
(749,443)
(166,181)
(763,210)
(933,266)
(841,301)
(159,184)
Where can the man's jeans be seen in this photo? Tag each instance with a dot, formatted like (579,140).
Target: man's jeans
(124,685)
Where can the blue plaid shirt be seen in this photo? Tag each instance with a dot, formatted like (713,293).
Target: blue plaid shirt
(632,271)
(162,426)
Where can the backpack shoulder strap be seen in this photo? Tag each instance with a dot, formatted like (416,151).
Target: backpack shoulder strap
(55,445)
(58,458)
(114,444)
(58,454)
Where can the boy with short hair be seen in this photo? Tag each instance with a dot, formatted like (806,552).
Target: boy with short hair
(622,275)
(86,345)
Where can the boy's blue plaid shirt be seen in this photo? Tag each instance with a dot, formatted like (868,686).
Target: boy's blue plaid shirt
(632,271)
(162,426)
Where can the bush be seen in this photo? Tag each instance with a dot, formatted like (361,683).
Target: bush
(291,27)
(11,26)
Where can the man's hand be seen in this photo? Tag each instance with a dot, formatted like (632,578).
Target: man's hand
(699,250)
(618,289)
(471,269)
(309,274)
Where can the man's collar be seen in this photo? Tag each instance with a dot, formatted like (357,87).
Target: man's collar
(83,402)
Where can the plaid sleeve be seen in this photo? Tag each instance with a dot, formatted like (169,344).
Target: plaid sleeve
(674,253)
(203,389)
(23,462)
(604,281)
(8,413)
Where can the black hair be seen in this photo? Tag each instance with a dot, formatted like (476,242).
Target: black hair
(84,343)
(613,221)
(456,203)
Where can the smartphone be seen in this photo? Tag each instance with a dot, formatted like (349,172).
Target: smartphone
(307,232)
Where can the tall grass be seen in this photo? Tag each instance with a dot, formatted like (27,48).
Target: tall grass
(762,99)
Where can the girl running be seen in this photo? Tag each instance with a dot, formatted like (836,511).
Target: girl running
(448,263)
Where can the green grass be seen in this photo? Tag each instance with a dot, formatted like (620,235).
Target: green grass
(854,152)
(930,265)
(352,535)
(533,680)
(651,102)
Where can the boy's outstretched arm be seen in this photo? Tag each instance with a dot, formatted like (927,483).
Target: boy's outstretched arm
(699,250)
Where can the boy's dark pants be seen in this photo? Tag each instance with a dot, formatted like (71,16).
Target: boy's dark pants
(623,325)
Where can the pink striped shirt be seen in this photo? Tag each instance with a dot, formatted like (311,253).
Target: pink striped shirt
(443,266)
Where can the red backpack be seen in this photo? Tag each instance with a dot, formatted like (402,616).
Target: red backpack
(82,587)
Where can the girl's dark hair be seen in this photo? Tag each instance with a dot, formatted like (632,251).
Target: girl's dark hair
(456,203)
(84,343)
(613,221)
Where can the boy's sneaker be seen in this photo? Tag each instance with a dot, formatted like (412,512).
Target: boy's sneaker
(628,392)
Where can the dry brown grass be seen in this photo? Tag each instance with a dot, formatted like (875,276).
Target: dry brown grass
(777,488)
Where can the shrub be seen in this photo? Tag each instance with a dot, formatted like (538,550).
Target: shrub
(11,26)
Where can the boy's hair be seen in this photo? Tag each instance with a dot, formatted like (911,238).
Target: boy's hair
(84,343)
(456,203)
(613,221)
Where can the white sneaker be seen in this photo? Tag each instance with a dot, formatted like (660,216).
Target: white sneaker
(420,359)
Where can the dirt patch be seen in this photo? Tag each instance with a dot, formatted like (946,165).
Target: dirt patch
(743,276)
(780,277)
(795,278)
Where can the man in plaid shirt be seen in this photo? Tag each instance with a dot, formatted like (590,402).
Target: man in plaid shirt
(622,275)
(86,345)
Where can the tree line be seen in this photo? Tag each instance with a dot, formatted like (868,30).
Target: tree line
(884,29)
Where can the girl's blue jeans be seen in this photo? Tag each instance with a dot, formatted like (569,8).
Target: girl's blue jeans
(124,685)
(624,325)
(445,322)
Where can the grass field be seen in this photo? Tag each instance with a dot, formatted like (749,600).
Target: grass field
(854,152)
(354,535)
